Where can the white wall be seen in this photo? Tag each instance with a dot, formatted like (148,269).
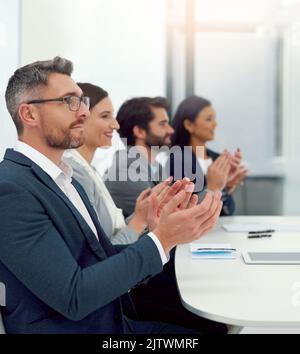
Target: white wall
(9,61)
(236,11)
(292,118)
(117,44)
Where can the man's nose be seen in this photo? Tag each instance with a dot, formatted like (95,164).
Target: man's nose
(83,111)
(170,130)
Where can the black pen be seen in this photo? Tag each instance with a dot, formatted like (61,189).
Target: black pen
(259,236)
(260,232)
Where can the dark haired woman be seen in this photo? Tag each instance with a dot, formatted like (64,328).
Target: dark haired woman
(194,124)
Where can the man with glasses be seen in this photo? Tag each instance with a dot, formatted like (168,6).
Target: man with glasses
(61,272)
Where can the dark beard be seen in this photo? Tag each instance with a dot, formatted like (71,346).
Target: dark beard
(153,140)
(68,142)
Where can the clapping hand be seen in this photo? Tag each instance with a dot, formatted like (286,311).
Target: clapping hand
(178,226)
(218,171)
(159,201)
(237,172)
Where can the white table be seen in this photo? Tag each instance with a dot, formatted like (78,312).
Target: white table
(232,292)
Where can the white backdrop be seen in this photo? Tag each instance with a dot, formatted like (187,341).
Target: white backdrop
(118,45)
(9,61)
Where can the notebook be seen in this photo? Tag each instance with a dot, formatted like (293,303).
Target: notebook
(212,251)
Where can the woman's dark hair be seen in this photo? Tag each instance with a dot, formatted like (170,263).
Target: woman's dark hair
(137,112)
(95,93)
(187,110)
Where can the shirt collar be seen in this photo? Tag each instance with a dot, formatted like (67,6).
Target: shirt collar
(43,162)
(76,156)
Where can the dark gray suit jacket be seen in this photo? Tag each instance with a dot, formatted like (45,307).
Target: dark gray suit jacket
(59,278)
(128,176)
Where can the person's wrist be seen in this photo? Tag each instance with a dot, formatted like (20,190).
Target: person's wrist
(138,223)
(212,188)
(207,190)
(140,217)
(163,239)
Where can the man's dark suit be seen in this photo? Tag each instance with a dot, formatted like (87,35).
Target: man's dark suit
(58,277)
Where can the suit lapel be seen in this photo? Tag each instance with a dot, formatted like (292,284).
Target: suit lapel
(105,242)
(88,233)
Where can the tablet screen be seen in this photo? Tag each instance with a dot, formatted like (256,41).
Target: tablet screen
(274,256)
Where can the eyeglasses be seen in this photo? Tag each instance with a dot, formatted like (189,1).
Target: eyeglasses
(73,102)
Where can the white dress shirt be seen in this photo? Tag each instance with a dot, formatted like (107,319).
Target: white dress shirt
(62,176)
(205,163)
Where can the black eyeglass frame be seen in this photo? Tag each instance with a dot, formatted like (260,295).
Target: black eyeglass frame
(65,100)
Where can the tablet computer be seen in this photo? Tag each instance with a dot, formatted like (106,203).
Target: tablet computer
(271,257)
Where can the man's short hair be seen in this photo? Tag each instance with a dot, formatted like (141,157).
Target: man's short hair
(23,85)
(137,112)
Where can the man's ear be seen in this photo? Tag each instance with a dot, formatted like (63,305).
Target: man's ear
(28,115)
(139,133)
(188,125)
